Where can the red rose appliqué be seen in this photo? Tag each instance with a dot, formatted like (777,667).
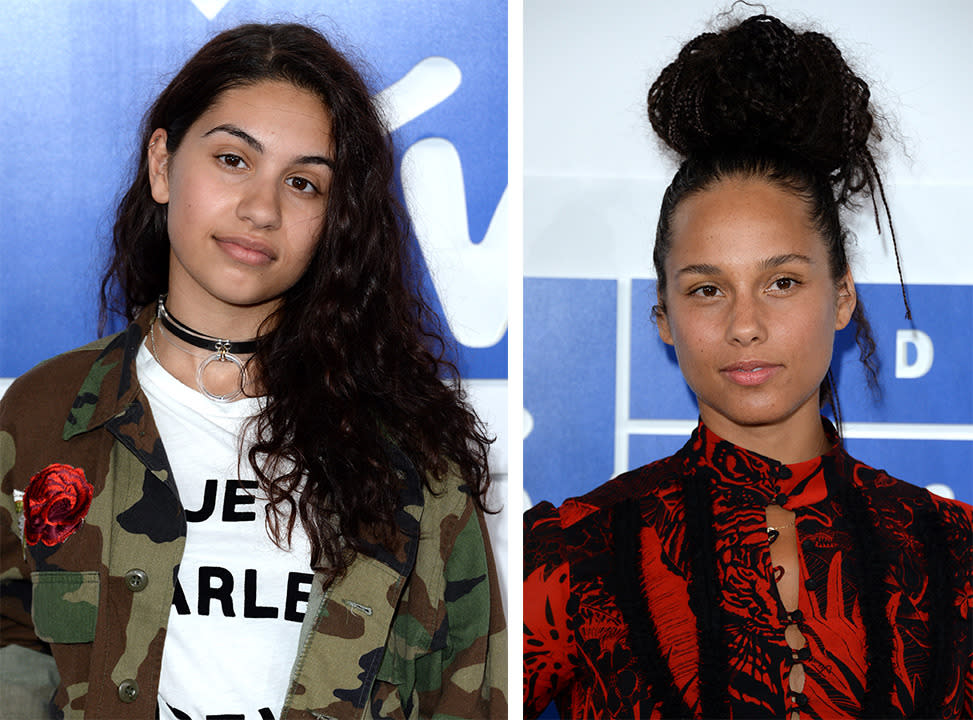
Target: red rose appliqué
(55,504)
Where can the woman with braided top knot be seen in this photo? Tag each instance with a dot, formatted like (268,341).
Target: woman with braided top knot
(264,498)
(760,572)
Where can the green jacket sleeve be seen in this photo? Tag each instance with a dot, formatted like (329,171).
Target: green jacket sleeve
(468,678)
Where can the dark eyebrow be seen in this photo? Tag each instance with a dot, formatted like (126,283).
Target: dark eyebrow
(315,160)
(258,146)
(699,269)
(779,260)
(240,133)
(767,264)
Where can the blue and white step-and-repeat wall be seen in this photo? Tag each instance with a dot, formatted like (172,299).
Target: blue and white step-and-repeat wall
(601,392)
(77,75)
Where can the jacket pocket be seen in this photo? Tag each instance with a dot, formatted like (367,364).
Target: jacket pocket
(65,605)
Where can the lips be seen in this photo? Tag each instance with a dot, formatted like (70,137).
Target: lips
(751,372)
(248,251)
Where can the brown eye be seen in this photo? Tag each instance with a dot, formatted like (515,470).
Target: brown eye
(231,160)
(706,291)
(302,184)
(785,283)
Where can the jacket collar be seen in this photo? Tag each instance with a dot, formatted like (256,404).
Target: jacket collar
(110,386)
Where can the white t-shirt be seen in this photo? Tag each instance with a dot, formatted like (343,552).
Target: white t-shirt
(236,615)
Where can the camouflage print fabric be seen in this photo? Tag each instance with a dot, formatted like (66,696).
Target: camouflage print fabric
(412,631)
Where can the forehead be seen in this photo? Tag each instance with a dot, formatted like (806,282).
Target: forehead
(741,221)
(274,109)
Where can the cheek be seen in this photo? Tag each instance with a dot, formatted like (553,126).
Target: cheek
(181,221)
(305,234)
(809,338)
(813,328)
(694,343)
(309,234)
(694,332)
(303,247)
(198,207)
(305,259)
(183,210)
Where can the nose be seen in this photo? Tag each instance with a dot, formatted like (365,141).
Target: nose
(260,203)
(746,323)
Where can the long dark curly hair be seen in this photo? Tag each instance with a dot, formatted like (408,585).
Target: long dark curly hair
(761,100)
(353,362)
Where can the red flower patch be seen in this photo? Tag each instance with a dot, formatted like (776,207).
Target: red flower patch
(55,504)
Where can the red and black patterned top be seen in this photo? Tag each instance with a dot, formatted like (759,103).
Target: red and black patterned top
(610,591)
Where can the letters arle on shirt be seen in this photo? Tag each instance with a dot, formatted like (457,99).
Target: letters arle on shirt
(217,584)
(220,586)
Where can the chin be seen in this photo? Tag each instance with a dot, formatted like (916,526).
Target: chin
(242,296)
(756,414)
(758,419)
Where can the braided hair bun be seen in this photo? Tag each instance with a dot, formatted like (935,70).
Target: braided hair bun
(758,99)
(761,87)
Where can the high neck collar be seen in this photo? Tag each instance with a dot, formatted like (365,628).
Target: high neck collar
(754,479)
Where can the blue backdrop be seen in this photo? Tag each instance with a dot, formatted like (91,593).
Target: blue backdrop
(76,76)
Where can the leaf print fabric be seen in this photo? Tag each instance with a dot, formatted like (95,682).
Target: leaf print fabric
(608,629)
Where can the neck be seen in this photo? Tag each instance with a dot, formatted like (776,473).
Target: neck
(795,439)
(185,349)
(216,318)
(186,334)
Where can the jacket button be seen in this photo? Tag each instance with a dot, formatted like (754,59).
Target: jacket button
(808,545)
(136,580)
(810,584)
(128,691)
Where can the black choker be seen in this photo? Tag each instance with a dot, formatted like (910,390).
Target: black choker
(222,351)
(198,339)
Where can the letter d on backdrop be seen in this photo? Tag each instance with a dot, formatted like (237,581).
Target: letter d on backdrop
(923,358)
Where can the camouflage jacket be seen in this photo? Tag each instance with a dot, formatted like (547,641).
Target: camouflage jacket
(416,630)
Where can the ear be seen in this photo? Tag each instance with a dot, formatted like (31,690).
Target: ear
(158,158)
(662,322)
(847,301)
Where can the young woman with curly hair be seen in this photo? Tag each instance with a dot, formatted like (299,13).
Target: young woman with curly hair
(264,498)
(760,571)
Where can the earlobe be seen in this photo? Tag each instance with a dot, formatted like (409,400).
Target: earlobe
(847,301)
(662,322)
(158,157)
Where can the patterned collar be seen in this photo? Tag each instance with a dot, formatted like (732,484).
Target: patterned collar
(751,479)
